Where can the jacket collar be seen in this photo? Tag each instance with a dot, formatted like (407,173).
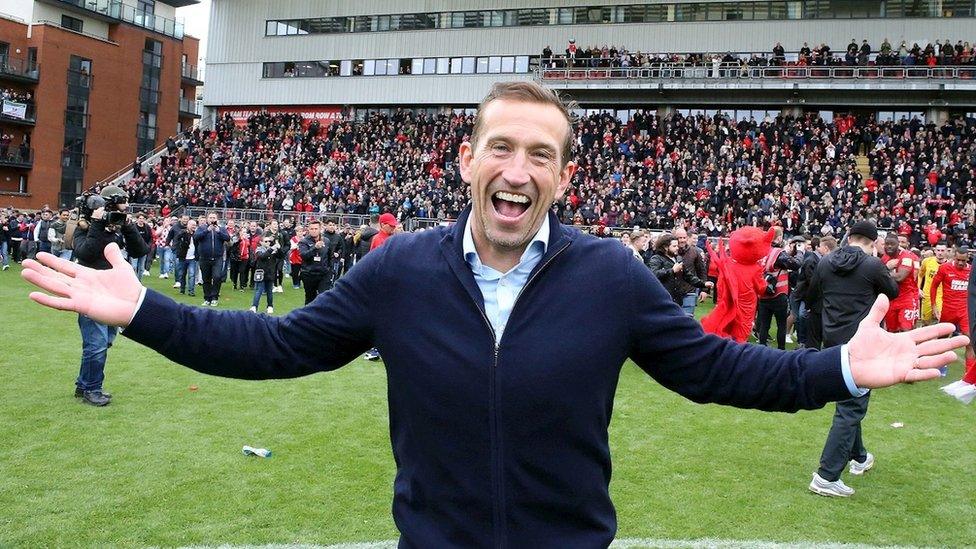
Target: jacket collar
(453,250)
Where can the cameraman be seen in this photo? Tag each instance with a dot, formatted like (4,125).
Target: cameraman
(317,254)
(210,240)
(106,223)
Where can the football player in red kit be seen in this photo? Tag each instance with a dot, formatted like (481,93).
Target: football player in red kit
(901,264)
(953,276)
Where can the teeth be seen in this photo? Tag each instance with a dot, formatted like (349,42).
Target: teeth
(510,197)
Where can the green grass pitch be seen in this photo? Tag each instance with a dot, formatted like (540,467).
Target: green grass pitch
(162,465)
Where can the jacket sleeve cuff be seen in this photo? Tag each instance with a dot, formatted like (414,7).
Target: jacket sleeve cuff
(155,319)
(845,368)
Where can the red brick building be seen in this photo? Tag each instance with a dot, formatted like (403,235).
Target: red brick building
(88,86)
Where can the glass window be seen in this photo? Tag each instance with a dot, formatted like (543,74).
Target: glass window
(467,65)
(369,67)
(270,28)
(362,23)
(522,63)
(634,14)
(392,66)
(535,16)
(455,65)
(443,64)
(494,64)
(508,64)
(777,10)
(282,28)
(656,13)
(380,67)
(565,16)
(430,65)
(417,67)
(382,22)
(482,65)
(345,67)
(72,23)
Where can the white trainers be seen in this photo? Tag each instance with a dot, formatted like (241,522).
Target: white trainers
(253,309)
(206,304)
(277,289)
(145,273)
(836,489)
(270,310)
(789,338)
(162,276)
(961,391)
(861,468)
(213,303)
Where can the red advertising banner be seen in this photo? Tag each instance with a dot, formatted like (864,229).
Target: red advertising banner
(324,114)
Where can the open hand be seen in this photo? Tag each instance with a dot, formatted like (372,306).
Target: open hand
(109,296)
(880,358)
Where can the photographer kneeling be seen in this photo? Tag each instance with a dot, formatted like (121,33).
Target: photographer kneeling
(104,221)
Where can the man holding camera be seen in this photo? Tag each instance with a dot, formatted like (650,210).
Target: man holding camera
(776,268)
(106,222)
(317,256)
(209,240)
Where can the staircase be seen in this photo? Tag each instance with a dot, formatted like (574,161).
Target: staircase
(863,167)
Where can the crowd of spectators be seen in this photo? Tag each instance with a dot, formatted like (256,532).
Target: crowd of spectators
(938,53)
(710,173)
(10,94)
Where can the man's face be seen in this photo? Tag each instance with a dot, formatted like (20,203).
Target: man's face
(65,216)
(330,227)
(46,216)
(961,260)
(673,247)
(252,226)
(184,220)
(314,230)
(140,221)
(682,237)
(514,171)
(940,252)
(211,218)
(274,225)
(891,247)
(903,242)
(191,226)
(231,227)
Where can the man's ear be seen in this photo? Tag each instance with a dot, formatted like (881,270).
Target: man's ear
(465,156)
(565,178)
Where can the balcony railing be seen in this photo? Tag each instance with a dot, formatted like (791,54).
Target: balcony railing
(734,71)
(18,69)
(75,119)
(190,73)
(18,113)
(115,9)
(189,106)
(74,160)
(148,96)
(16,156)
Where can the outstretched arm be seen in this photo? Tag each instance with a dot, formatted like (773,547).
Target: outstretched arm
(324,335)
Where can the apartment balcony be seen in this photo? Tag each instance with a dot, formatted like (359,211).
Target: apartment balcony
(16,157)
(189,108)
(191,76)
(114,11)
(18,70)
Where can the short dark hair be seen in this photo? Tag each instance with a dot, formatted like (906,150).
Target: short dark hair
(528,92)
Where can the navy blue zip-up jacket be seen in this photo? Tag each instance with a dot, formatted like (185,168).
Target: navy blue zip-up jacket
(209,244)
(497,446)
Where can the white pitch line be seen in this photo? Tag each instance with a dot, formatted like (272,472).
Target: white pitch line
(624,543)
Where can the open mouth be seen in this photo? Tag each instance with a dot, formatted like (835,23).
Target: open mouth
(510,205)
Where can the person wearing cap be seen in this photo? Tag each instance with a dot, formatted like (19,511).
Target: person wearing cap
(845,284)
(503,337)
(388,225)
(90,240)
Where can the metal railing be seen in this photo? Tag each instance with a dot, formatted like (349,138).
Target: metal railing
(79,78)
(191,73)
(115,9)
(75,119)
(30,114)
(145,132)
(74,159)
(734,71)
(16,156)
(18,67)
(189,106)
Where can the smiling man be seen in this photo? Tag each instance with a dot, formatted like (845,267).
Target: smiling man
(498,424)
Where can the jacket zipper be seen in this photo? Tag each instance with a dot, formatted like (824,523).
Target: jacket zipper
(498,493)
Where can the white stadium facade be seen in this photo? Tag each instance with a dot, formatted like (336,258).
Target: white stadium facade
(335,59)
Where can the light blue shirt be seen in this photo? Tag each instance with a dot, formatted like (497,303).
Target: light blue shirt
(500,290)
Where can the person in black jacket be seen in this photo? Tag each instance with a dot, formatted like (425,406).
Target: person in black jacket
(317,255)
(210,241)
(139,263)
(808,310)
(776,267)
(90,240)
(846,284)
(266,261)
(186,263)
(667,266)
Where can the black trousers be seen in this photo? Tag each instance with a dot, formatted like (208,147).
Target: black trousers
(235,271)
(768,308)
(844,441)
(315,283)
(296,274)
(279,272)
(212,271)
(814,330)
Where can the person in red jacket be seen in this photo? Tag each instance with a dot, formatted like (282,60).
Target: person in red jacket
(904,308)
(953,276)
(388,224)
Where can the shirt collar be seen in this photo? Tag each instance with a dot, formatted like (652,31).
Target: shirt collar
(471,253)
